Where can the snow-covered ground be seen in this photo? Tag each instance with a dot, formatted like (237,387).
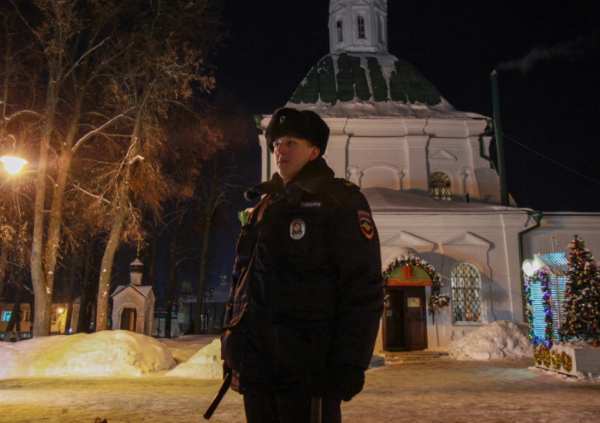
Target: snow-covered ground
(498,340)
(135,386)
(441,390)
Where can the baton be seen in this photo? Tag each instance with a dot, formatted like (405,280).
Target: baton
(215,402)
(315,410)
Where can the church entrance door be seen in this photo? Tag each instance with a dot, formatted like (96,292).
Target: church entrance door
(128,319)
(404,323)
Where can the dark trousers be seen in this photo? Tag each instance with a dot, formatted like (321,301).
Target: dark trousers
(264,408)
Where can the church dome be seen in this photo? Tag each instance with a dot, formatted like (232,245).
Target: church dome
(359,78)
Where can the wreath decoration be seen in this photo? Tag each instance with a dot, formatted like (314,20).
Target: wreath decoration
(546,358)
(543,276)
(566,361)
(556,360)
(537,356)
(437,300)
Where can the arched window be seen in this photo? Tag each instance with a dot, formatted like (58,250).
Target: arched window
(466,294)
(340,31)
(381,30)
(361,26)
(439,186)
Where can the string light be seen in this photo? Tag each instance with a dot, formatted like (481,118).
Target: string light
(437,299)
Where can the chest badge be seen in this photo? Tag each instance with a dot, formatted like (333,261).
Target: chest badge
(366,224)
(297,229)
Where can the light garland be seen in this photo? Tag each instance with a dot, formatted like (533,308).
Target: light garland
(543,276)
(437,299)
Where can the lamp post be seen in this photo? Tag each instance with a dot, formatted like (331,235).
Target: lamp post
(12,164)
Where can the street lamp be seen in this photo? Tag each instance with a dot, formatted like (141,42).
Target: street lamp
(12,164)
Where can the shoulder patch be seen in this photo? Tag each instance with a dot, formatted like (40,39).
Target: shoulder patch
(366,224)
(347,184)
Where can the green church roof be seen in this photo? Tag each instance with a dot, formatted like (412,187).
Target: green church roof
(373,77)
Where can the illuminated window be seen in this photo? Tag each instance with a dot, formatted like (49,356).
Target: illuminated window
(340,32)
(466,294)
(439,186)
(361,26)
(6,316)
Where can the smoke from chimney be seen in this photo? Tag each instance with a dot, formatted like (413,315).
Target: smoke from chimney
(571,50)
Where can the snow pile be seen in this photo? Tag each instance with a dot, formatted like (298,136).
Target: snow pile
(107,353)
(185,347)
(376,362)
(501,339)
(205,364)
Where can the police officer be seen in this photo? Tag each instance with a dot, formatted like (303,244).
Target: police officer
(307,292)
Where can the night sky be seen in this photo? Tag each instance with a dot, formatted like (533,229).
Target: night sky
(551,106)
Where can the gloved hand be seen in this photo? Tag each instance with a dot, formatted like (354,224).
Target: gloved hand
(344,381)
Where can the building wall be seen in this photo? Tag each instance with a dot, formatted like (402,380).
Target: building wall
(144,306)
(557,230)
(487,241)
(402,154)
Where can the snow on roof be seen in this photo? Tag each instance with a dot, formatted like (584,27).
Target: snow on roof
(107,353)
(142,289)
(358,109)
(370,85)
(385,200)
(498,340)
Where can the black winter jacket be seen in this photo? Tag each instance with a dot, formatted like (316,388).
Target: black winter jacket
(307,291)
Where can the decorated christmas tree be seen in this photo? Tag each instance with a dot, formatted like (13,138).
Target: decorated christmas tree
(582,297)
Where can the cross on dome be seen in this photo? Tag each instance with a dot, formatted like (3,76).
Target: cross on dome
(358,25)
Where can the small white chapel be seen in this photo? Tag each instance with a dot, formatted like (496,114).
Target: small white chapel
(425,171)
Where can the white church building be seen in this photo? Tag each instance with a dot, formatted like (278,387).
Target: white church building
(422,166)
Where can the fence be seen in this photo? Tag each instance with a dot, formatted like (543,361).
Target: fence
(22,336)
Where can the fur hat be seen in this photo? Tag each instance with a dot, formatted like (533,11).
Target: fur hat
(305,124)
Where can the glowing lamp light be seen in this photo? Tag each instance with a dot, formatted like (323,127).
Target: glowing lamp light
(13,165)
(60,310)
(530,267)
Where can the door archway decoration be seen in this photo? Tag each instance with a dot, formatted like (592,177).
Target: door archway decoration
(437,300)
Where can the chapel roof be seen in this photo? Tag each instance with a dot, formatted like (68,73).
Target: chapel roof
(144,290)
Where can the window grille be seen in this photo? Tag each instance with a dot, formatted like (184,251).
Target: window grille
(439,186)
(361,26)
(340,32)
(466,293)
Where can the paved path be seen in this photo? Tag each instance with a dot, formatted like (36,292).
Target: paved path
(438,391)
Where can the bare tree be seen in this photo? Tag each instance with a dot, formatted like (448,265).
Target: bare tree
(107,70)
